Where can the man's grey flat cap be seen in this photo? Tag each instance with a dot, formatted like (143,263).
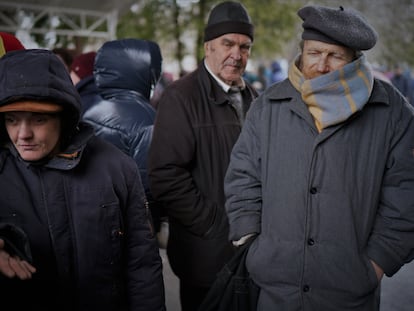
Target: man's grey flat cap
(346,27)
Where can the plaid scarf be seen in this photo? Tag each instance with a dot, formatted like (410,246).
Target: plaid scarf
(334,97)
(2,47)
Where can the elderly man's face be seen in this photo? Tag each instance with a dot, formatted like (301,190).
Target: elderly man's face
(35,135)
(319,58)
(227,56)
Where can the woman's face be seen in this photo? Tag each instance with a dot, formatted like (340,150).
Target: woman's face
(35,135)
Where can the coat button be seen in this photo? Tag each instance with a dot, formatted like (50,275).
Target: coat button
(306,288)
(311,242)
(313,190)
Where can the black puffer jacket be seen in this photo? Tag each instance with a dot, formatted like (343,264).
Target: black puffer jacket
(89,200)
(125,73)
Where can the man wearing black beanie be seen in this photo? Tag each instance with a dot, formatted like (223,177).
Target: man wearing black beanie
(323,175)
(198,120)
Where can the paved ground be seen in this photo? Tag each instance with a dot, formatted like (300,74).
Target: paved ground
(397,292)
(171,285)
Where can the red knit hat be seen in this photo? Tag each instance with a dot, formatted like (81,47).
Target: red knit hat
(83,64)
(8,43)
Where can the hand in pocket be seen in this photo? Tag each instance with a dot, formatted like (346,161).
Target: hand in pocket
(378,270)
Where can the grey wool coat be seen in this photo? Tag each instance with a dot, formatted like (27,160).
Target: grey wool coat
(323,204)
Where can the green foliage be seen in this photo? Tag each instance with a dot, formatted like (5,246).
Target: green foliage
(275,26)
(396,40)
(167,23)
(174,24)
(143,24)
(178,27)
(162,21)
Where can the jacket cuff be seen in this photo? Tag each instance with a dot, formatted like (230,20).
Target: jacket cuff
(390,263)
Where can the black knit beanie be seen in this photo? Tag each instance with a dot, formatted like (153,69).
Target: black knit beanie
(228,17)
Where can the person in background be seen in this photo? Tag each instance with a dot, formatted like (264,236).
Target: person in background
(81,72)
(165,79)
(65,55)
(262,78)
(401,81)
(8,43)
(411,89)
(75,233)
(199,117)
(276,72)
(323,174)
(126,71)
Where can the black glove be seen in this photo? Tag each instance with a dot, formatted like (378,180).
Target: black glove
(16,242)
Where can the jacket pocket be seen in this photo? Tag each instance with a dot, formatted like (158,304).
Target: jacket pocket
(115,229)
(10,218)
(371,274)
(219,227)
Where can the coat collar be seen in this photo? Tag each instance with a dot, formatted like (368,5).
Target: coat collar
(284,91)
(73,153)
(215,92)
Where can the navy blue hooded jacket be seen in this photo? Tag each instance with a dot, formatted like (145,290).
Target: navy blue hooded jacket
(125,73)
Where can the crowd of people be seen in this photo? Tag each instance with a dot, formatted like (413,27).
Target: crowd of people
(399,75)
(313,166)
(402,78)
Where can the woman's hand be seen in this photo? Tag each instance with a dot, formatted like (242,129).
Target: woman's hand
(13,266)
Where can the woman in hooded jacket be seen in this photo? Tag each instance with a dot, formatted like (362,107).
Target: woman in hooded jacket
(75,233)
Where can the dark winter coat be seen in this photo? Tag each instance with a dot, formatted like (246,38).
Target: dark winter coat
(323,204)
(194,133)
(125,73)
(88,92)
(89,200)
